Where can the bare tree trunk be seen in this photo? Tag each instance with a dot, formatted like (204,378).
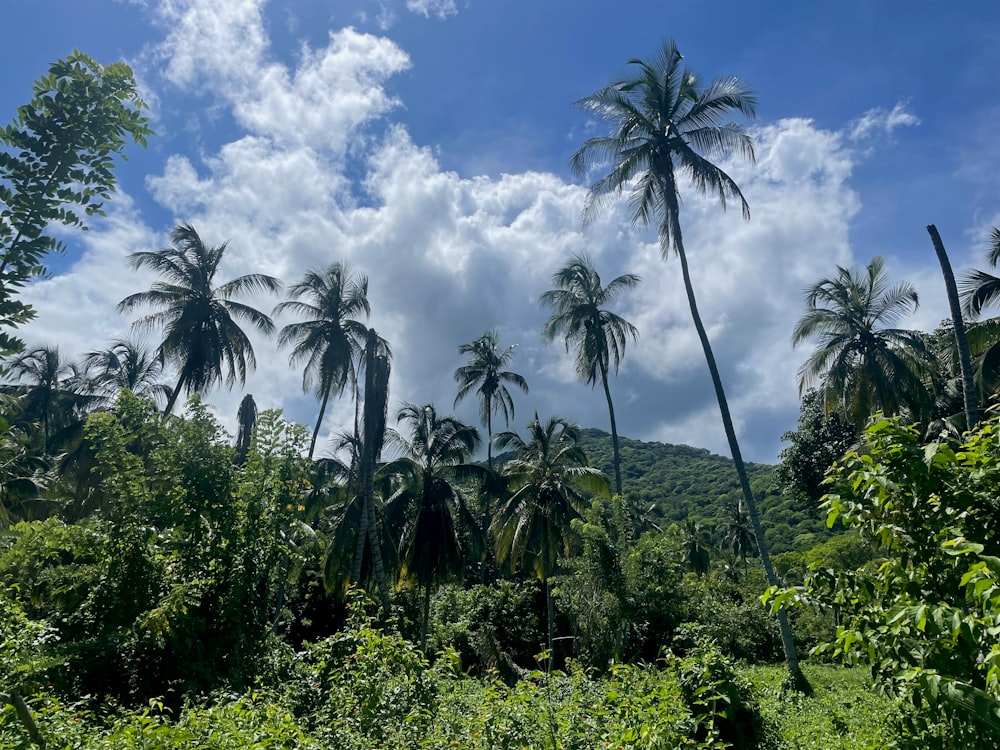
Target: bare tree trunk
(24,715)
(319,421)
(614,431)
(969,391)
(175,394)
(795,675)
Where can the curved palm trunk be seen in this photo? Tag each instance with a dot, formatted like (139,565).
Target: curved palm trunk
(787,641)
(319,421)
(969,392)
(614,431)
(175,394)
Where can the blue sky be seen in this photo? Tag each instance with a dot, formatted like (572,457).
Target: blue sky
(425,142)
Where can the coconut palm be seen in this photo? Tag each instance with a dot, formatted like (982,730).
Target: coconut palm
(486,370)
(666,124)
(598,335)
(548,479)
(979,288)
(970,395)
(865,363)
(53,393)
(429,504)
(201,336)
(331,337)
(127,364)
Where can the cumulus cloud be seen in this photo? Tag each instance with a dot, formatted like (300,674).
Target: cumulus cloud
(305,183)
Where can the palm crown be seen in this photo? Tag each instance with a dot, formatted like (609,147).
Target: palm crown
(664,122)
(331,337)
(201,336)
(860,356)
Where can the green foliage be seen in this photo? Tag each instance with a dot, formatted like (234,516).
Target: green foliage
(820,439)
(685,483)
(843,712)
(926,619)
(57,158)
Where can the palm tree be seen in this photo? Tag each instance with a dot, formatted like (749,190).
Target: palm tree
(696,544)
(130,365)
(429,504)
(980,288)
(665,123)
(865,363)
(485,370)
(53,394)
(969,393)
(331,337)
(599,335)
(201,336)
(548,481)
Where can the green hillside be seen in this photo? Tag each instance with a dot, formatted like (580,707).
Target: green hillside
(685,482)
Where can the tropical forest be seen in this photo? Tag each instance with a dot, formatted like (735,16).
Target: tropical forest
(388,575)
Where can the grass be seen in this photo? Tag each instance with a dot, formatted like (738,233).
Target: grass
(843,713)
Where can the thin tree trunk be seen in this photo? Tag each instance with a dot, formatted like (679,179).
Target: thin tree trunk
(427,614)
(319,421)
(969,391)
(24,714)
(552,616)
(614,431)
(485,521)
(175,394)
(787,641)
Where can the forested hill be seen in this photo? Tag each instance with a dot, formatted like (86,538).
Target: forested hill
(685,482)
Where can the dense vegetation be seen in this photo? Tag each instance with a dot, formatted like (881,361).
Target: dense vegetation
(166,584)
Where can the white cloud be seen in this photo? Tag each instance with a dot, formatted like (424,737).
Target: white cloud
(449,256)
(428,8)
(879,120)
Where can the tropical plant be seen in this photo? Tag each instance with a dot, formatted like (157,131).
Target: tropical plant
(201,336)
(865,363)
(549,479)
(979,288)
(970,395)
(429,506)
(696,545)
(56,162)
(53,394)
(331,337)
(127,364)
(485,370)
(598,335)
(665,124)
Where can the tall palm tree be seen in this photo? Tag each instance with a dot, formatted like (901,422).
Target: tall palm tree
(866,364)
(599,335)
(665,123)
(331,337)
(436,453)
(127,364)
(201,336)
(486,370)
(548,481)
(970,396)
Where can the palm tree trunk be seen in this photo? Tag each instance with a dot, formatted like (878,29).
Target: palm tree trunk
(614,431)
(279,597)
(175,394)
(427,614)
(380,574)
(550,607)
(319,421)
(968,382)
(485,521)
(795,675)
(359,545)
